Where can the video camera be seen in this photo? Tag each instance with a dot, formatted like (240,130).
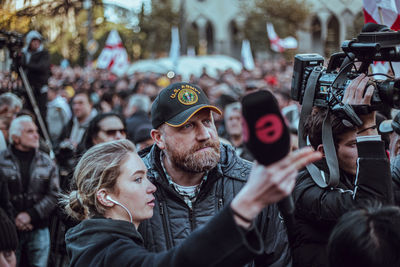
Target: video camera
(14,41)
(375,43)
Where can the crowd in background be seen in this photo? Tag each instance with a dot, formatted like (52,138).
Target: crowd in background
(87,106)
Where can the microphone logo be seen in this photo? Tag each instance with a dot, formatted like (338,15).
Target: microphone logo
(269,128)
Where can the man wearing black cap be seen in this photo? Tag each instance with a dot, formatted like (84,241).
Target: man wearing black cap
(196,175)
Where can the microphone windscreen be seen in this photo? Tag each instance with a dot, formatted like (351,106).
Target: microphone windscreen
(265,132)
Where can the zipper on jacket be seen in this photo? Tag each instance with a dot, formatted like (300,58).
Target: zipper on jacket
(165,226)
(191,219)
(220,203)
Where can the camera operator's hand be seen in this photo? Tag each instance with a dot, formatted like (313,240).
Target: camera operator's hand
(354,95)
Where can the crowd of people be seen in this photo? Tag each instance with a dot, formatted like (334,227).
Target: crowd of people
(147,170)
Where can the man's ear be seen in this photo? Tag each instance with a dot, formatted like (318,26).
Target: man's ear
(320,148)
(101,197)
(158,138)
(15,139)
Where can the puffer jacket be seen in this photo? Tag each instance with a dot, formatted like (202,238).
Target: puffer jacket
(318,209)
(41,197)
(173,220)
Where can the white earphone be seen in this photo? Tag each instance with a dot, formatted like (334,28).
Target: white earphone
(117,203)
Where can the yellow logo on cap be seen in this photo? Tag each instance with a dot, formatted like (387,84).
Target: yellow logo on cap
(187,96)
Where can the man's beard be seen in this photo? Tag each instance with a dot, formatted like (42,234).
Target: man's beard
(195,162)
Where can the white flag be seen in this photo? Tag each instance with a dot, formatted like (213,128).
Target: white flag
(174,50)
(247,56)
(113,56)
(278,44)
(385,12)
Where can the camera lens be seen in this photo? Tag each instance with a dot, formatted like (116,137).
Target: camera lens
(389,91)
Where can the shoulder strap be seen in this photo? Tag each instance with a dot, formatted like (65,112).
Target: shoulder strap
(327,138)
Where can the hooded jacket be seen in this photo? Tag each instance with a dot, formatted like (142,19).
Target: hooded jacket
(36,63)
(318,209)
(173,220)
(107,242)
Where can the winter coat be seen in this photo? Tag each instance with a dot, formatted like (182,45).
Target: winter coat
(107,242)
(173,220)
(41,196)
(36,64)
(318,209)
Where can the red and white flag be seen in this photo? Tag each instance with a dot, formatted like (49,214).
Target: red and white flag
(113,56)
(278,44)
(385,12)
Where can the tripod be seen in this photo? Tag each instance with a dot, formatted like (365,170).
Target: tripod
(36,110)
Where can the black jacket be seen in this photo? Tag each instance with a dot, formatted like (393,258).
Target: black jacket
(106,242)
(5,203)
(318,209)
(37,69)
(173,220)
(395,169)
(41,196)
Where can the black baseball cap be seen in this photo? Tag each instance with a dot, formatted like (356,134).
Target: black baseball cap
(177,103)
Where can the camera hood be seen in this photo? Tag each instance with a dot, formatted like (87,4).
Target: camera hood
(374,46)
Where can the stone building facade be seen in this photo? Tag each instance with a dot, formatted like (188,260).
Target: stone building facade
(218,22)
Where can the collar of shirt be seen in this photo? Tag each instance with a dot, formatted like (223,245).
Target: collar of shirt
(188,198)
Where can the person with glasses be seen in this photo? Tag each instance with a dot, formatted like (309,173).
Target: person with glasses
(103,128)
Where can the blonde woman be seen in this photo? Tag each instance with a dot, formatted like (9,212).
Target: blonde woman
(114,195)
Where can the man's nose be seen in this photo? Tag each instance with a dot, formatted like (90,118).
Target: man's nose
(119,135)
(203,133)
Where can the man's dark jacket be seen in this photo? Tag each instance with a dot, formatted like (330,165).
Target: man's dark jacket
(318,209)
(173,220)
(41,196)
(107,242)
(38,69)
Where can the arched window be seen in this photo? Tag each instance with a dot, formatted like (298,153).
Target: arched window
(235,38)
(316,36)
(332,39)
(210,38)
(193,37)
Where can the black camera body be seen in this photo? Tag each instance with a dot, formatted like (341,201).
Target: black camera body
(14,41)
(329,90)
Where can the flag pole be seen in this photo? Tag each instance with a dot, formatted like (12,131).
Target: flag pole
(380,15)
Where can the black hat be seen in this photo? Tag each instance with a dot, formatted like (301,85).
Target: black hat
(177,103)
(8,233)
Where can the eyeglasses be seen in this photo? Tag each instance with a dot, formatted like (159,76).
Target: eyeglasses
(113,132)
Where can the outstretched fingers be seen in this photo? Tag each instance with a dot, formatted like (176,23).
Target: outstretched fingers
(298,159)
